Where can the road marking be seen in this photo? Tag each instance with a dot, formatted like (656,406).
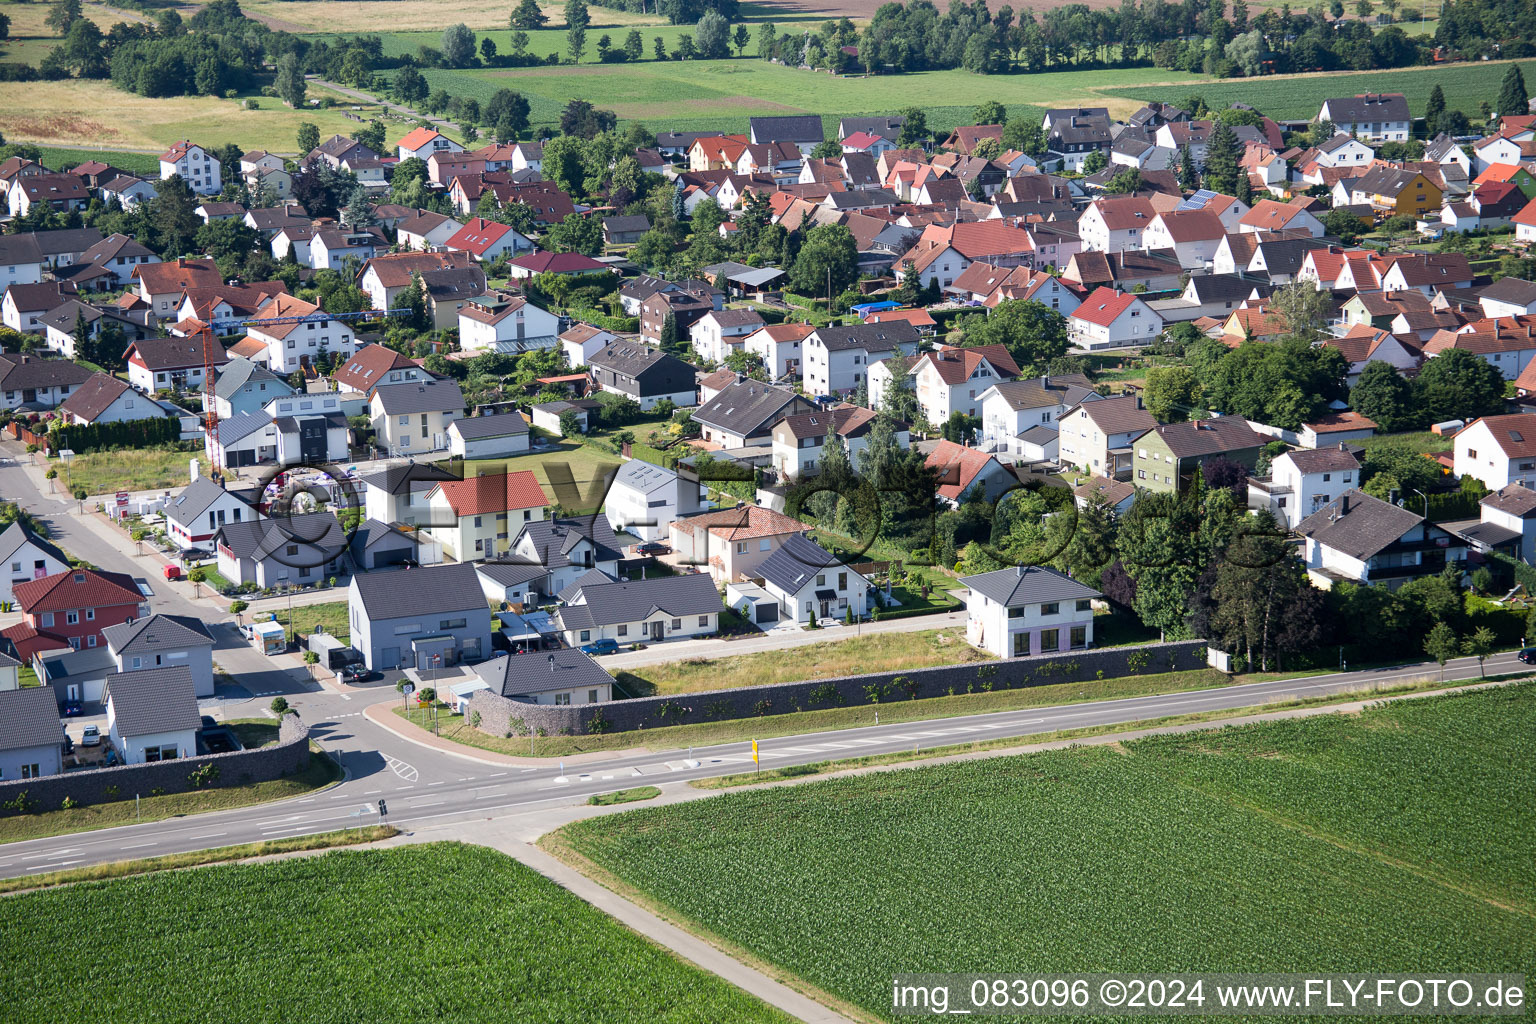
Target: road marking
(497,775)
(210,835)
(401,768)
(527,770)
(60,864)
(439,782)
(371,792)
(51,853)
(429,803)
(139,846)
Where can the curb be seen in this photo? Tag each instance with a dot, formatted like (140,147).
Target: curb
(384,720)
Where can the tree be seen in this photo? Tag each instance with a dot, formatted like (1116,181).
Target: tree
(1032,332)
(173,215)
(63,15)
(660,51)
(1434,108)
(1173,393)
(669,337)
(1256,600)
(581,118)
(827,149)
(563,164)
(828,260)
(576,233)
(409,86)
(1513,99)
(1305,309)
(1124,182)
(989,112)
(767,41)
(372,135)
(1441,645)
(713,36)
(1479,645)
(576,42)
(686,49)
(1027,135)
(1221,160)
(289,81)
(1383,396)
(488,49)
(1459,385)
(1095,162)
(528,15)
(741,37)
(308,139)
(1187,179)
(914,128)
(458,46)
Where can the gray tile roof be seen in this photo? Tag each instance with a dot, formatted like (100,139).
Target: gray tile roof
(422,396)
(373,533)
(1028,584)
(18,534)
(29,717)
(1515,499)
(613,603)
(1066,390)
(153,700)
(590,578)
(749,407)
(428,590)
(158,633)
(519,675)
(511,574)
(880,337)
(504,424)
(242,425)
(1194,438)
(1357,525)
(240,371)
(398,479)
(787,128)
(796,561)
(555,539)
(262,539)
(197,497)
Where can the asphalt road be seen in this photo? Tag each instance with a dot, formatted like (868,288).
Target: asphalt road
(421,785)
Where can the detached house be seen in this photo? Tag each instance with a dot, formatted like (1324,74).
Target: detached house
(799,441)
(427,618)
(966,471)
(837,359)
(423,142)
(34,384)
(299,550)
(951,379)
(744,413)
(1011,409)
(643,499)
(25,556)
(1112,319)
(506,322)
(195,514)
(1498,450)
(1027,610)
(1096,436)
(374,366)
(171,364)
(1356,538)
(1301,482)
(71,608)
(806,582)
(479,517)
(1169,454)
(731,543)
(646,375)
(152,714)
(644,610)
(411,419)
(1193,235)
(202,171)
(1375,117)
(165,641)
(567,549)
(292,345)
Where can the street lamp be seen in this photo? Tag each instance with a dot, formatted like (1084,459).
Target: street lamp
(1426,502)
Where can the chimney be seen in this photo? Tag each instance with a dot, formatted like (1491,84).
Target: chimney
(1341,446)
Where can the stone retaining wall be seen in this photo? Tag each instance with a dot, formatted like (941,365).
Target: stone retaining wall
(497,714)
(288,756)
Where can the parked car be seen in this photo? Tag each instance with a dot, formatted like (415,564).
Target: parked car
(1527,656)
(91,737)
(653,548)
(71,708)
(356,672)
(600,647)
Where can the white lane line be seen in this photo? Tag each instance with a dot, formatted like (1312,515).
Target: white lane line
(60,864)
(210,835)
(371,792)
(51,853)
(139,846)
(437,783)
(527,770)
(429,803)
(496,775)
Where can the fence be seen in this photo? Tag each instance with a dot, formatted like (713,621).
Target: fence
(26,436)
(497,713)
(288,756)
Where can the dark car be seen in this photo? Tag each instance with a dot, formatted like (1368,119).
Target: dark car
(653,548)
(600,647)
(1527,656)
(356,672)
(71,708)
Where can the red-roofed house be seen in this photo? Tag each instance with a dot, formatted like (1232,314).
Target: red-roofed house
(485,240)
(1272,215)
(961,469)
(1498,450)
(731,542)
(1193,235)
(865,142)
(423,142)
(943,252)
(540,262)
(1111,319)
(200,169)
(480,517)
(951,379)
(289,346)
(374,365)
(71,608)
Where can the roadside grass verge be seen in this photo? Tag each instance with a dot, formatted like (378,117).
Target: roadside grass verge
(797,771)
(876,652)
(195,858)
(624,796)
(795,723)
(322,772)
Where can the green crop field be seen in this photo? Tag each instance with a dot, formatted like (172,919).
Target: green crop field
(1393,840)
(439,932)
(722,94)
(1298,96)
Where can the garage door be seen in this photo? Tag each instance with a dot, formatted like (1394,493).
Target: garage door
(389,657)
(767,612)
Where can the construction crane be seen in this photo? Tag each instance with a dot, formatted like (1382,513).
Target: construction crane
(211,344)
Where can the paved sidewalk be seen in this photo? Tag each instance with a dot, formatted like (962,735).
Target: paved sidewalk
(382,714)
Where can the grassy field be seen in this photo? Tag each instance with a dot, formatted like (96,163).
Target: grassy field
(1387,841)
(797,723)
(878,652)
(1412,441)
(90,114)
(322,771)
(588,470)
(330,614)
(388,16)
(143,164)
(146,469)
(1296,96)
(384,935)
(722,94)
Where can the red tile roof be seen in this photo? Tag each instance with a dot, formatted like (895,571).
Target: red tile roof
(1104,306)
(477,236)
(418,138)
(501,492)
(77,588)
(957,467)
(743,522)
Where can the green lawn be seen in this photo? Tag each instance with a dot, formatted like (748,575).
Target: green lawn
(438,932)
(1465,86)
(1422,441)
(580,473)
(143,164)
(1388,841)
(330,614)
(723,94)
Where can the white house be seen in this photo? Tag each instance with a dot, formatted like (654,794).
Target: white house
(1362,539)
(1301,482)
(951,379)
(26,556)
(1498,450)
(426,230)
(1512,508)
(837,359)
(567,549)
(1097,436)
(564,677)
(197,512)
(1112,319)
(198,168)
(720,332)
(799,441)
(1026,610)
(422,142)
(163,641)
(1193,235)
(488,437)
(644,499)
(779,346)
(107,399)
(1115,225)
(643,610)
(479,517)
(506,322)
(807,582)
(582,341)
(1009,409)
(152,714)
(1375,117)
(286,347)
